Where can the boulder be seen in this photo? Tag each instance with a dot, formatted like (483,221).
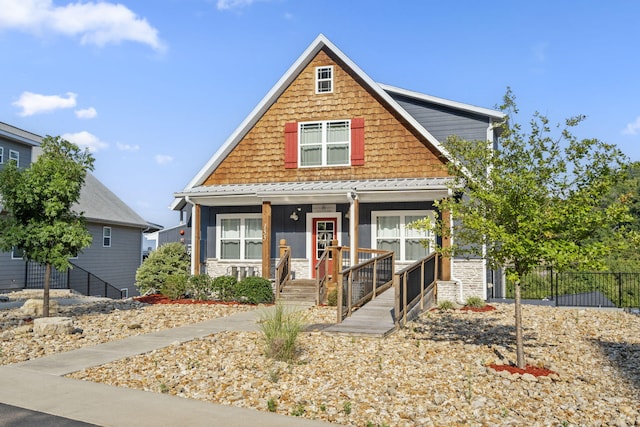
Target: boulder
(53,326)
(33,307)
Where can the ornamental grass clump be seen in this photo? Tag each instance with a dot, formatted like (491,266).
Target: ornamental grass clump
(280,330)
(475,302)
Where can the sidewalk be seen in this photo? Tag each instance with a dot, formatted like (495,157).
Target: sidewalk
(39,385)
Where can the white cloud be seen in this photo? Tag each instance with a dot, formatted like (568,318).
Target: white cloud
(127,147)
(162,159)
(87,140)
(34,103)
(98,23)
(87,113)
(632,128)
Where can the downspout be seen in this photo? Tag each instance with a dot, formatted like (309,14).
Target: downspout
(193,234)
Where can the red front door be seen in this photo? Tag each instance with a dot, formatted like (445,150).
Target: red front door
(324,231)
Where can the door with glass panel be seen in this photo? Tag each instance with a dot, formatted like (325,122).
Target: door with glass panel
(324,231)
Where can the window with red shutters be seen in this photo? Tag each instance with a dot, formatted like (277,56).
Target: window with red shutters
(291,145)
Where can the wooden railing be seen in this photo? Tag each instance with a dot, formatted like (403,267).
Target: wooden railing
(361,283)
(322,276)
(415,284)
(283,268)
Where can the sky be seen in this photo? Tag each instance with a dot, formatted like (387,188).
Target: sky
(154,88)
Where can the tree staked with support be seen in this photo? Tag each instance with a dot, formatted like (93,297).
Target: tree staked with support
(533,199)
(38,202)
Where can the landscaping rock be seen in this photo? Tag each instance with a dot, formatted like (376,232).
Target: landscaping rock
(53,326)
(34,307)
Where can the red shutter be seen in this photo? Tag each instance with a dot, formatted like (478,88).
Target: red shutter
(357,142)
(291,145)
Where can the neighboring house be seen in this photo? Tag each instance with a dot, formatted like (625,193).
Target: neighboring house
(330,154)
(116,251)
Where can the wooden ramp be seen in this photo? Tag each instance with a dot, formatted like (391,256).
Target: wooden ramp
(375,318)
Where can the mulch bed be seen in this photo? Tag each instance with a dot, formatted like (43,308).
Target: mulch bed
(533,370)
(161,299)
(479,309)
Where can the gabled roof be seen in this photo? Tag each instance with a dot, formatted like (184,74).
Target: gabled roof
(321,42)
(99,204)
(15,134)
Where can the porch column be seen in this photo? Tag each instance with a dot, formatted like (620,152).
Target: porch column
(195,238)
(445,268)
(354,226)
(266,240)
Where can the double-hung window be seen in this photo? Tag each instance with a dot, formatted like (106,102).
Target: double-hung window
(325,143)
(106,237)
(391,232)
(15,155)
(324,79)
(240,236)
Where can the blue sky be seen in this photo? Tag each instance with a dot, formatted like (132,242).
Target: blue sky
(155,87)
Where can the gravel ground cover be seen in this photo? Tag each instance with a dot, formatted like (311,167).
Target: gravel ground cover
(433,373)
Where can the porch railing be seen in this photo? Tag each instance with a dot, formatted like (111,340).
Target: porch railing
(322,276)
(361,283)
(283,268)
(415,284)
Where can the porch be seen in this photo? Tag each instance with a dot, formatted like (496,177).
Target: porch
(372,298)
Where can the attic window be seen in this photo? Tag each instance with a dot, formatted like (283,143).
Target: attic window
(324,79)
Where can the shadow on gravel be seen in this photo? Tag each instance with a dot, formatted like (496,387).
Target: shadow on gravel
(625,357)
(481,331)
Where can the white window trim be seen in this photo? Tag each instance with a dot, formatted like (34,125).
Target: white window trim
(317,80)
(242,218)
(16,154)
(110,236)
(403,215)
(13,257)
(324,144)
(1,155)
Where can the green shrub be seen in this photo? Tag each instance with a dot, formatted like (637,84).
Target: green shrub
(332,297)
(200,287)
(254,290)
(167,260)
(280,331)
(475,302)
(175,286)
(223,288)
(446,305)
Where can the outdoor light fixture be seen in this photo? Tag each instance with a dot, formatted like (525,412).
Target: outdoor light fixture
(294,214)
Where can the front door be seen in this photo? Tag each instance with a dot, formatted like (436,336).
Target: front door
(324,231)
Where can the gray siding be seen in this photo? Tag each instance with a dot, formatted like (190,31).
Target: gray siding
(11,272)
(442,121)
(24,150)
(117,264)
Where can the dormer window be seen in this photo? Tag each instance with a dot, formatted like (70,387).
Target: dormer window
(324,79)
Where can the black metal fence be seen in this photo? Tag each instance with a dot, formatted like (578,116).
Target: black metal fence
(75,278)
(580,289)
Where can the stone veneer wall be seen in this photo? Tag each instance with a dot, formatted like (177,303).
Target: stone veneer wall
(216,267)
(471,274)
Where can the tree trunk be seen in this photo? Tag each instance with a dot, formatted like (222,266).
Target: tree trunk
(45,300)
(519,340)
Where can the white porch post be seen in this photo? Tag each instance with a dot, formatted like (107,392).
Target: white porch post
(354,226)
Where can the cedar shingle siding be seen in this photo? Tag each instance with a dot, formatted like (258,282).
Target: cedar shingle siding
(391,149)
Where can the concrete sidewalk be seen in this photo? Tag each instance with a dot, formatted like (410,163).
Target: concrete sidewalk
(39,385)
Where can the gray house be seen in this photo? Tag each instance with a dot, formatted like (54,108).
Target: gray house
(116,251)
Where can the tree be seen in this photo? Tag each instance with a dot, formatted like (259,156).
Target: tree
(168,260)
(38,201)
(534,199)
